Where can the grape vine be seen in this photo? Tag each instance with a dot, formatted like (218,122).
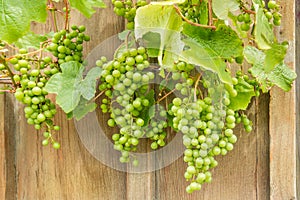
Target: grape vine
(210,58)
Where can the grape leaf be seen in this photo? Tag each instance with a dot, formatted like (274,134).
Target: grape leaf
(281,75)
(274,56)
(148,112)
(69,85)
(264,36)
(204,12)
(30,40)
(245,92)
(83,108)
(168,2)
(209,48)
(16,16)
(241,100)
(123,35)
(222,8)
(88,85)
(167,23)
(86,7)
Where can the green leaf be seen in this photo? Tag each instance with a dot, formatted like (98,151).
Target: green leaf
(204,13)
(152,42)
(88,85)
(167,23)
(209,48)
(31,40)
(274,56)
(281,75)
(222,8)
(148,112)
(168,2)
(263,32)
(241,100)
(245,92)
(86,7)
(122,36)
(83,108)
(16,16)
(69,85)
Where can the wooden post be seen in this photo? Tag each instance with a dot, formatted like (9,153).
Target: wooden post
(283,120)
(2,150)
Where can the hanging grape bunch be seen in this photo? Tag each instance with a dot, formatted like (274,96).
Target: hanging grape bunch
(201,50)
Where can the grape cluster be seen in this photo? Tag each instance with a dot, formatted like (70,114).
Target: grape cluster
(67,46)
(31,76)
(272,13)
(245,20)
(128,9)
(125,83)
(205,120)
(195,12)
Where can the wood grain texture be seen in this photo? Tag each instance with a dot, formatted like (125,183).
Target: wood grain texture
(30,171)
(2,151)
(11,128)
(297,38)
(241,174)
(283,120)
(71,172)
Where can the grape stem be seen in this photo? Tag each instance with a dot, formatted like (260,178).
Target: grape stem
(190,22)
(165,96)
(5,80)
(210,17)
(67,15)
(3,61)
(196,85)
(248,11)
(96,97)
(52,10)
(7,91)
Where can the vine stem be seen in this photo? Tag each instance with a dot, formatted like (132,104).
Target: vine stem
(190,22)
(51,8)
(11,74)
(165,96)
(5,81)
(67,15)
(248,11)
(96,97)
(210,16)
(7,91)
(196,85)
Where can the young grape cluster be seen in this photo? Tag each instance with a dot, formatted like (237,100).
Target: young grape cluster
(245,21)
(32,72)
(205,120)
(272,13)
(194,11)
(126,81)
(128,9)
(31,76)
(67,46)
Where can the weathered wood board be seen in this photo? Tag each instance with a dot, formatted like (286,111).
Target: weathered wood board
(262,165)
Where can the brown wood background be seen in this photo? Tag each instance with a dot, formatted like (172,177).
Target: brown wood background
(261,166)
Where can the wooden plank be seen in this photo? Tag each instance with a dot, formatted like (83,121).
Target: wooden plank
(283,120)
(2,150)
(11,128)
(263,149)
(297,38)
(241,174)
(71,172)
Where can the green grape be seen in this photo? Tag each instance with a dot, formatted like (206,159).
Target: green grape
(56,145)
(272,4)
(245,27)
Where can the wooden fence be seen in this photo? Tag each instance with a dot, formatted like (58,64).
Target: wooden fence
(261,166)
